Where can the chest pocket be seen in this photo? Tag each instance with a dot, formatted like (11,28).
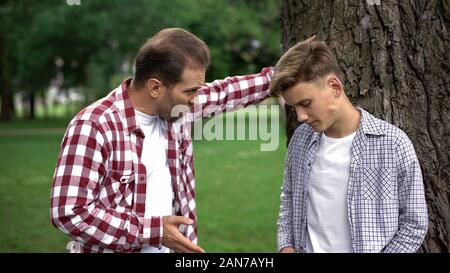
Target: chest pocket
(378,183)
(119,188)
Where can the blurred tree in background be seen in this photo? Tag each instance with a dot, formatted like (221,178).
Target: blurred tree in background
(91,47)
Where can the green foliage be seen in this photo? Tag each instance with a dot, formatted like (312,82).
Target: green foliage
(93,44)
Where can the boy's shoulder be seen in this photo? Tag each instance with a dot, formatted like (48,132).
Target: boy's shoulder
(384,131)
(382,127)
(302,136)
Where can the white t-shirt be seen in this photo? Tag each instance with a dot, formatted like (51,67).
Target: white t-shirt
(158,200)
(327,217)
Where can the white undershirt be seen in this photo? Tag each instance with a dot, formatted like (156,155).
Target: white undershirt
(327,217)
(158,199)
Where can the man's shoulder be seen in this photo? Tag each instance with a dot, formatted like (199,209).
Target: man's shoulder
(98,112)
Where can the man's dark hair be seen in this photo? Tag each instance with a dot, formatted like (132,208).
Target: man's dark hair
(165,55)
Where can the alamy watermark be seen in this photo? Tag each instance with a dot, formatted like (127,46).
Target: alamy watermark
(73,2)
(255,122)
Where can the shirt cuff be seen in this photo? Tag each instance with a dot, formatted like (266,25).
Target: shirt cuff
(152,232)
(268,71)
(283,244)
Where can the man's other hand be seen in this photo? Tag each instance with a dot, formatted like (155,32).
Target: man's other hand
(172,237)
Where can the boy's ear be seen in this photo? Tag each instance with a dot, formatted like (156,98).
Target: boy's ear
(336,86)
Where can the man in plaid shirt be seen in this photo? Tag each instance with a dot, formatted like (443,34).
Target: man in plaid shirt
(352,182)
(124,181)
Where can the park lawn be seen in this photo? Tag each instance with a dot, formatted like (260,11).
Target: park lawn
(238,189)
(238,193)
(35,124)
(26,168)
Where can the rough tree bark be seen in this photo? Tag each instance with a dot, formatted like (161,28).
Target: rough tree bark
(395,64)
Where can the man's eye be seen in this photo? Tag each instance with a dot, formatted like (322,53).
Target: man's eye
(306,104)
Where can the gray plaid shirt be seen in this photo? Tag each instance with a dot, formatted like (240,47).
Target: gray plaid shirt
(385,196)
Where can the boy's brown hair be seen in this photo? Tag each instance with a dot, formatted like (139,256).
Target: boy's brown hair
(304,62)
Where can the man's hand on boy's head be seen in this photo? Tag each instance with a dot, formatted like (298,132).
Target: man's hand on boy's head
(311,39)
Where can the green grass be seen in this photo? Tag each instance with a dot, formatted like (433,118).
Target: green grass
(238,189)
(35,124)
(26,168)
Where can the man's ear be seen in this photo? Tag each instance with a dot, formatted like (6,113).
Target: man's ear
(154,87)
(335,85)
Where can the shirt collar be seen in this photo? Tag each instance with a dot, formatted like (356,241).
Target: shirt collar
(126,106)
(368,125)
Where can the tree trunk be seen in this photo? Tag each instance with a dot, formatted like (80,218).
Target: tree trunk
(43,102)
(395,64)
(32,103)
(6,97)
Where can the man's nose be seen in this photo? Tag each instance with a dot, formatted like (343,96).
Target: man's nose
(301,114)
(191,102)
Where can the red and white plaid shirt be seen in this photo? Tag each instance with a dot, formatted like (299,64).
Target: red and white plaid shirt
(99,185)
